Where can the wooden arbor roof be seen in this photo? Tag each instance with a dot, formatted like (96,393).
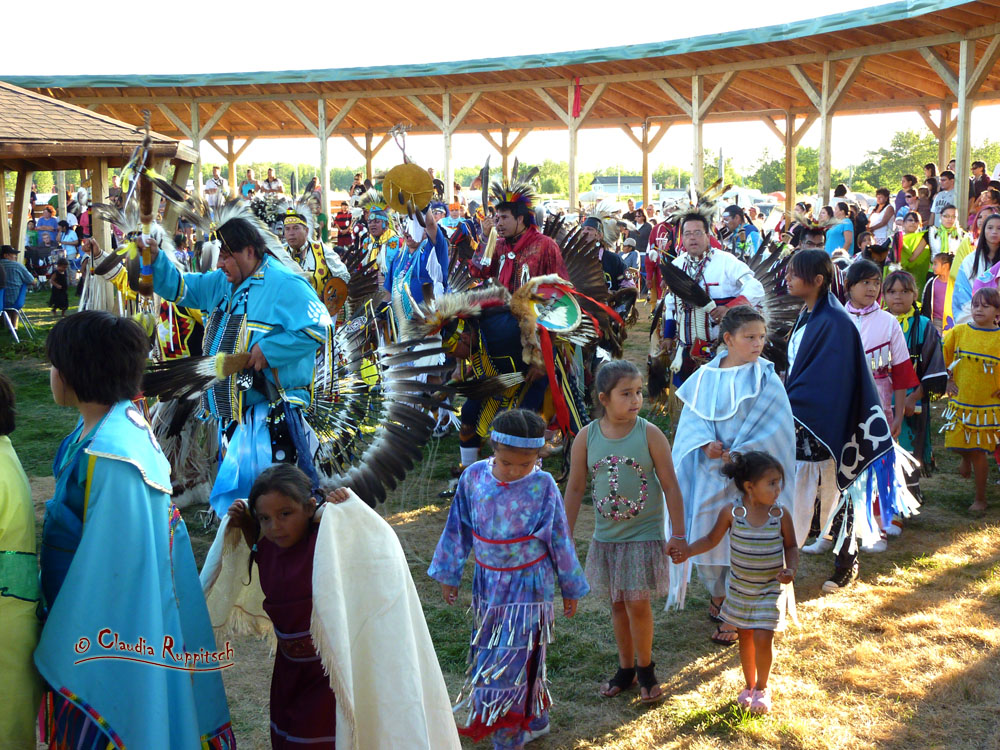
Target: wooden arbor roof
(888,58)
(910,55)
(38,133)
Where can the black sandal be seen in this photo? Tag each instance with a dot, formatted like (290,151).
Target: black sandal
(647,679)
(714,611)
(719,632)
(623,680)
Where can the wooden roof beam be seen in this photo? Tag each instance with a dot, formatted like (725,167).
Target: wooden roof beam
(185,129)
(985,65)
(675,96)
(940,66)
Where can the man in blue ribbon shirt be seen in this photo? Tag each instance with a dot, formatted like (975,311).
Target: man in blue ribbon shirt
(253,302)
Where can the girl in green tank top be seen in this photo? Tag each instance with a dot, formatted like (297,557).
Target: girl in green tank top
(632,478)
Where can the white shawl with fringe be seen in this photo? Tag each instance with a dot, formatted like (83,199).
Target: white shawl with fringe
(367,626)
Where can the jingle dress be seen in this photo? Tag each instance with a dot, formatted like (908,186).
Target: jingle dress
(973,416)
(521,542)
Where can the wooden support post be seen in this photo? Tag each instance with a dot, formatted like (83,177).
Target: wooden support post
(199,183)
(963,146)
(697,145)
(504,150)
(826,133)
(447,176)
(4,222)
(61,206)
(22,205)
(324,166)
(231,164)
(369,171)
(791,162)
(948,126)
(573,125)
(182,170)
(100,230)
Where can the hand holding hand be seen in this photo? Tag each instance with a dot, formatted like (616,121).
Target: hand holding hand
(678,550)
(449,594)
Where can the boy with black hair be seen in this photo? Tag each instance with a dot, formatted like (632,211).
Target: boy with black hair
(935,292)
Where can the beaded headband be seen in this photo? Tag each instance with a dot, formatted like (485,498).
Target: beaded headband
(516,442)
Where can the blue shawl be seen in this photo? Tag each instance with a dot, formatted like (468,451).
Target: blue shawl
(131,583)
(832,392)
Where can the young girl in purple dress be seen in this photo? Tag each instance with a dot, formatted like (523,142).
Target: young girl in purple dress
(277,524)
(509,513)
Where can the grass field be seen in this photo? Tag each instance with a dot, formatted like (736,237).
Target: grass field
(906,658)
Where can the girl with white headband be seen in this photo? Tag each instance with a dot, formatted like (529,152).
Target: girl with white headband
(510,514)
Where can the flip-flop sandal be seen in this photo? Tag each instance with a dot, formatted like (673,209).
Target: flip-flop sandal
(714,611)
(646,676)
(717,637)
(623,680)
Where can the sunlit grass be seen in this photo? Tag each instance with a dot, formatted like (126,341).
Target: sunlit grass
(906,659)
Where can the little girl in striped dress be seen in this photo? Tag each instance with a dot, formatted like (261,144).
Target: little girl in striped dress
(764,556)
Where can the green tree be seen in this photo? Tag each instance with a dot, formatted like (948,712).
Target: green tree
(907,153)
(988,151)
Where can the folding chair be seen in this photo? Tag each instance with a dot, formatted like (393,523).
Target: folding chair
(21,314)
(6,317)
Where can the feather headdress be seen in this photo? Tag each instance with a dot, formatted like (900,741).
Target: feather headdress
(195,211)
(517,193)
(703,202)
(604,218)
(375,203)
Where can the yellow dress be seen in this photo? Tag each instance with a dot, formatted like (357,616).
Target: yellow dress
(972,419)
(20,685)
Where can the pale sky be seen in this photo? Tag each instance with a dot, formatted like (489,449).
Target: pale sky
(201,38)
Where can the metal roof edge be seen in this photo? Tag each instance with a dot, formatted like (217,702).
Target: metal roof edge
(895,11)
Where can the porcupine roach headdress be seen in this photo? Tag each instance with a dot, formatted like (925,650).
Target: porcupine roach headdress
(604,220)
(376,205)
(195,211)
(516,194)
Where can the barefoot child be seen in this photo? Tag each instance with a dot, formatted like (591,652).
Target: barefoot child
(733,404)
(510,514)
(972,354)
(629,461)
(764,557)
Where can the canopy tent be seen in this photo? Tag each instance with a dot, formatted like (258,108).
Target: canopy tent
(40,133)
(925,55)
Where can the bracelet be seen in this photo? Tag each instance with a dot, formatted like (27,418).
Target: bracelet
(681,538)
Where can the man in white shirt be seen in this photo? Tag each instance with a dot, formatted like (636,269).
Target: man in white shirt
(215,190)
(272,184)
(944,197)
(728,281)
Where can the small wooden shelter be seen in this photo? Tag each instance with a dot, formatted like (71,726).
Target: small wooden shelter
(40,133)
